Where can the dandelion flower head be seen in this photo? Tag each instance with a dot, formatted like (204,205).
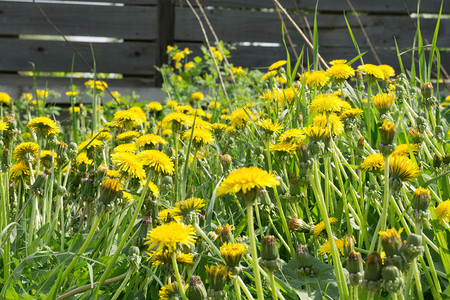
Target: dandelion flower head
(157,160)
(170,236)
(43,126)
(328,103)
(443,211)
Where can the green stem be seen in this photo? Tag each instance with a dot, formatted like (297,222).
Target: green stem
(124,237)
(177,275)
(252,238)
(75,259)
(417,278)
(273,286)
(237,289)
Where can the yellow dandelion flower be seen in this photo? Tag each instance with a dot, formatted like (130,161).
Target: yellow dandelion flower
(171,290)
(19,170)
(387,70)
(98,85)
(83,159)
(113,174)
(294,135)
(170,236)
(103,136)
(391,234)
(127,136)
(43,126)
(326,248)
(317,79)
(167,132)
(157,160)
(3,125)
(174,119)
(327,103)
(284,148)
(338,62)
(372,70)
(232,253)
(443,211)
(153,188)
(383,101)
(167,215)
(189,65)
(172,104)
(185,207)
(139,112)
(154,106)
(127,196)
(164,257)
(128,118)
(199,112)
(351,113)
(244,180)
(237,70)
(219,127)
(335,123)
(184,108)
(90,144)
(26,152)
(240,117)
(270,127)
(197,96)
(374,162)
(403,168)
(315,132)
(320,227)
(403,150)
(4,98)
(150,140)
(128,147)
(129,163)
(340,72)
(41,94)
(71,93)
(269,74)
(277,65)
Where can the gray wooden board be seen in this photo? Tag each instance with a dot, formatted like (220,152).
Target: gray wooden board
(254,26)
(380,6)
(115,2)
(129,22)
(16,85)
(263,57)
(125,58)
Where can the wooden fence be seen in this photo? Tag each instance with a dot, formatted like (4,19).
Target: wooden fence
(140,30)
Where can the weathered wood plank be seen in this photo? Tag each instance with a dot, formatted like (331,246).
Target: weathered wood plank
(116,2)
(166,33)
(126,58)
(129,22)
(251,26)
(381,6)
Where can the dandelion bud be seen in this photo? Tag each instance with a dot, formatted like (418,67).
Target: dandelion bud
(361,142)
(413,248)
(5,163)
(387,134)
(427,89)
(416,136)
(420,203)
(60,190)
(52,142)
(446,159)
(197,290)
(39,182)
(269,253)
(392,279)
(437,161)
(102,170)
(225,233)
(372,273)
(169,151)
(232,254)
(226,162)
(349,243)
(439,133)
(298,225)
(217,276)
(109,190)
(259,150)
(303,260)
(392,243)
(87,187)
(355,268)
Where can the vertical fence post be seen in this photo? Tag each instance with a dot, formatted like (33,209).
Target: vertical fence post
(166,32)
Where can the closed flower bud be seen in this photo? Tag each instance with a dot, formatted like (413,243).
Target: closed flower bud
(355,268)
(427,89)
(303,260)
(259,150)
(52,142)
(109,190)
(38,185)
(391,241)
(349,243)
(421,199)
(361,142)
(269,253)
(387,134)
(437,161)
(372,273)
(298,225)
(72,151)
(416,136)
(392,279)
(413,248)
(197,290)
(217,276)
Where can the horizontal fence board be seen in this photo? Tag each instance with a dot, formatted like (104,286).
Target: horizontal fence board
(76,2)
(381,6)
(126,58)
(249,26)
(263,57)
(129,22)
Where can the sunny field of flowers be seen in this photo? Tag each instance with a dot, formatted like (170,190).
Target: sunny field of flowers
(284,184)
